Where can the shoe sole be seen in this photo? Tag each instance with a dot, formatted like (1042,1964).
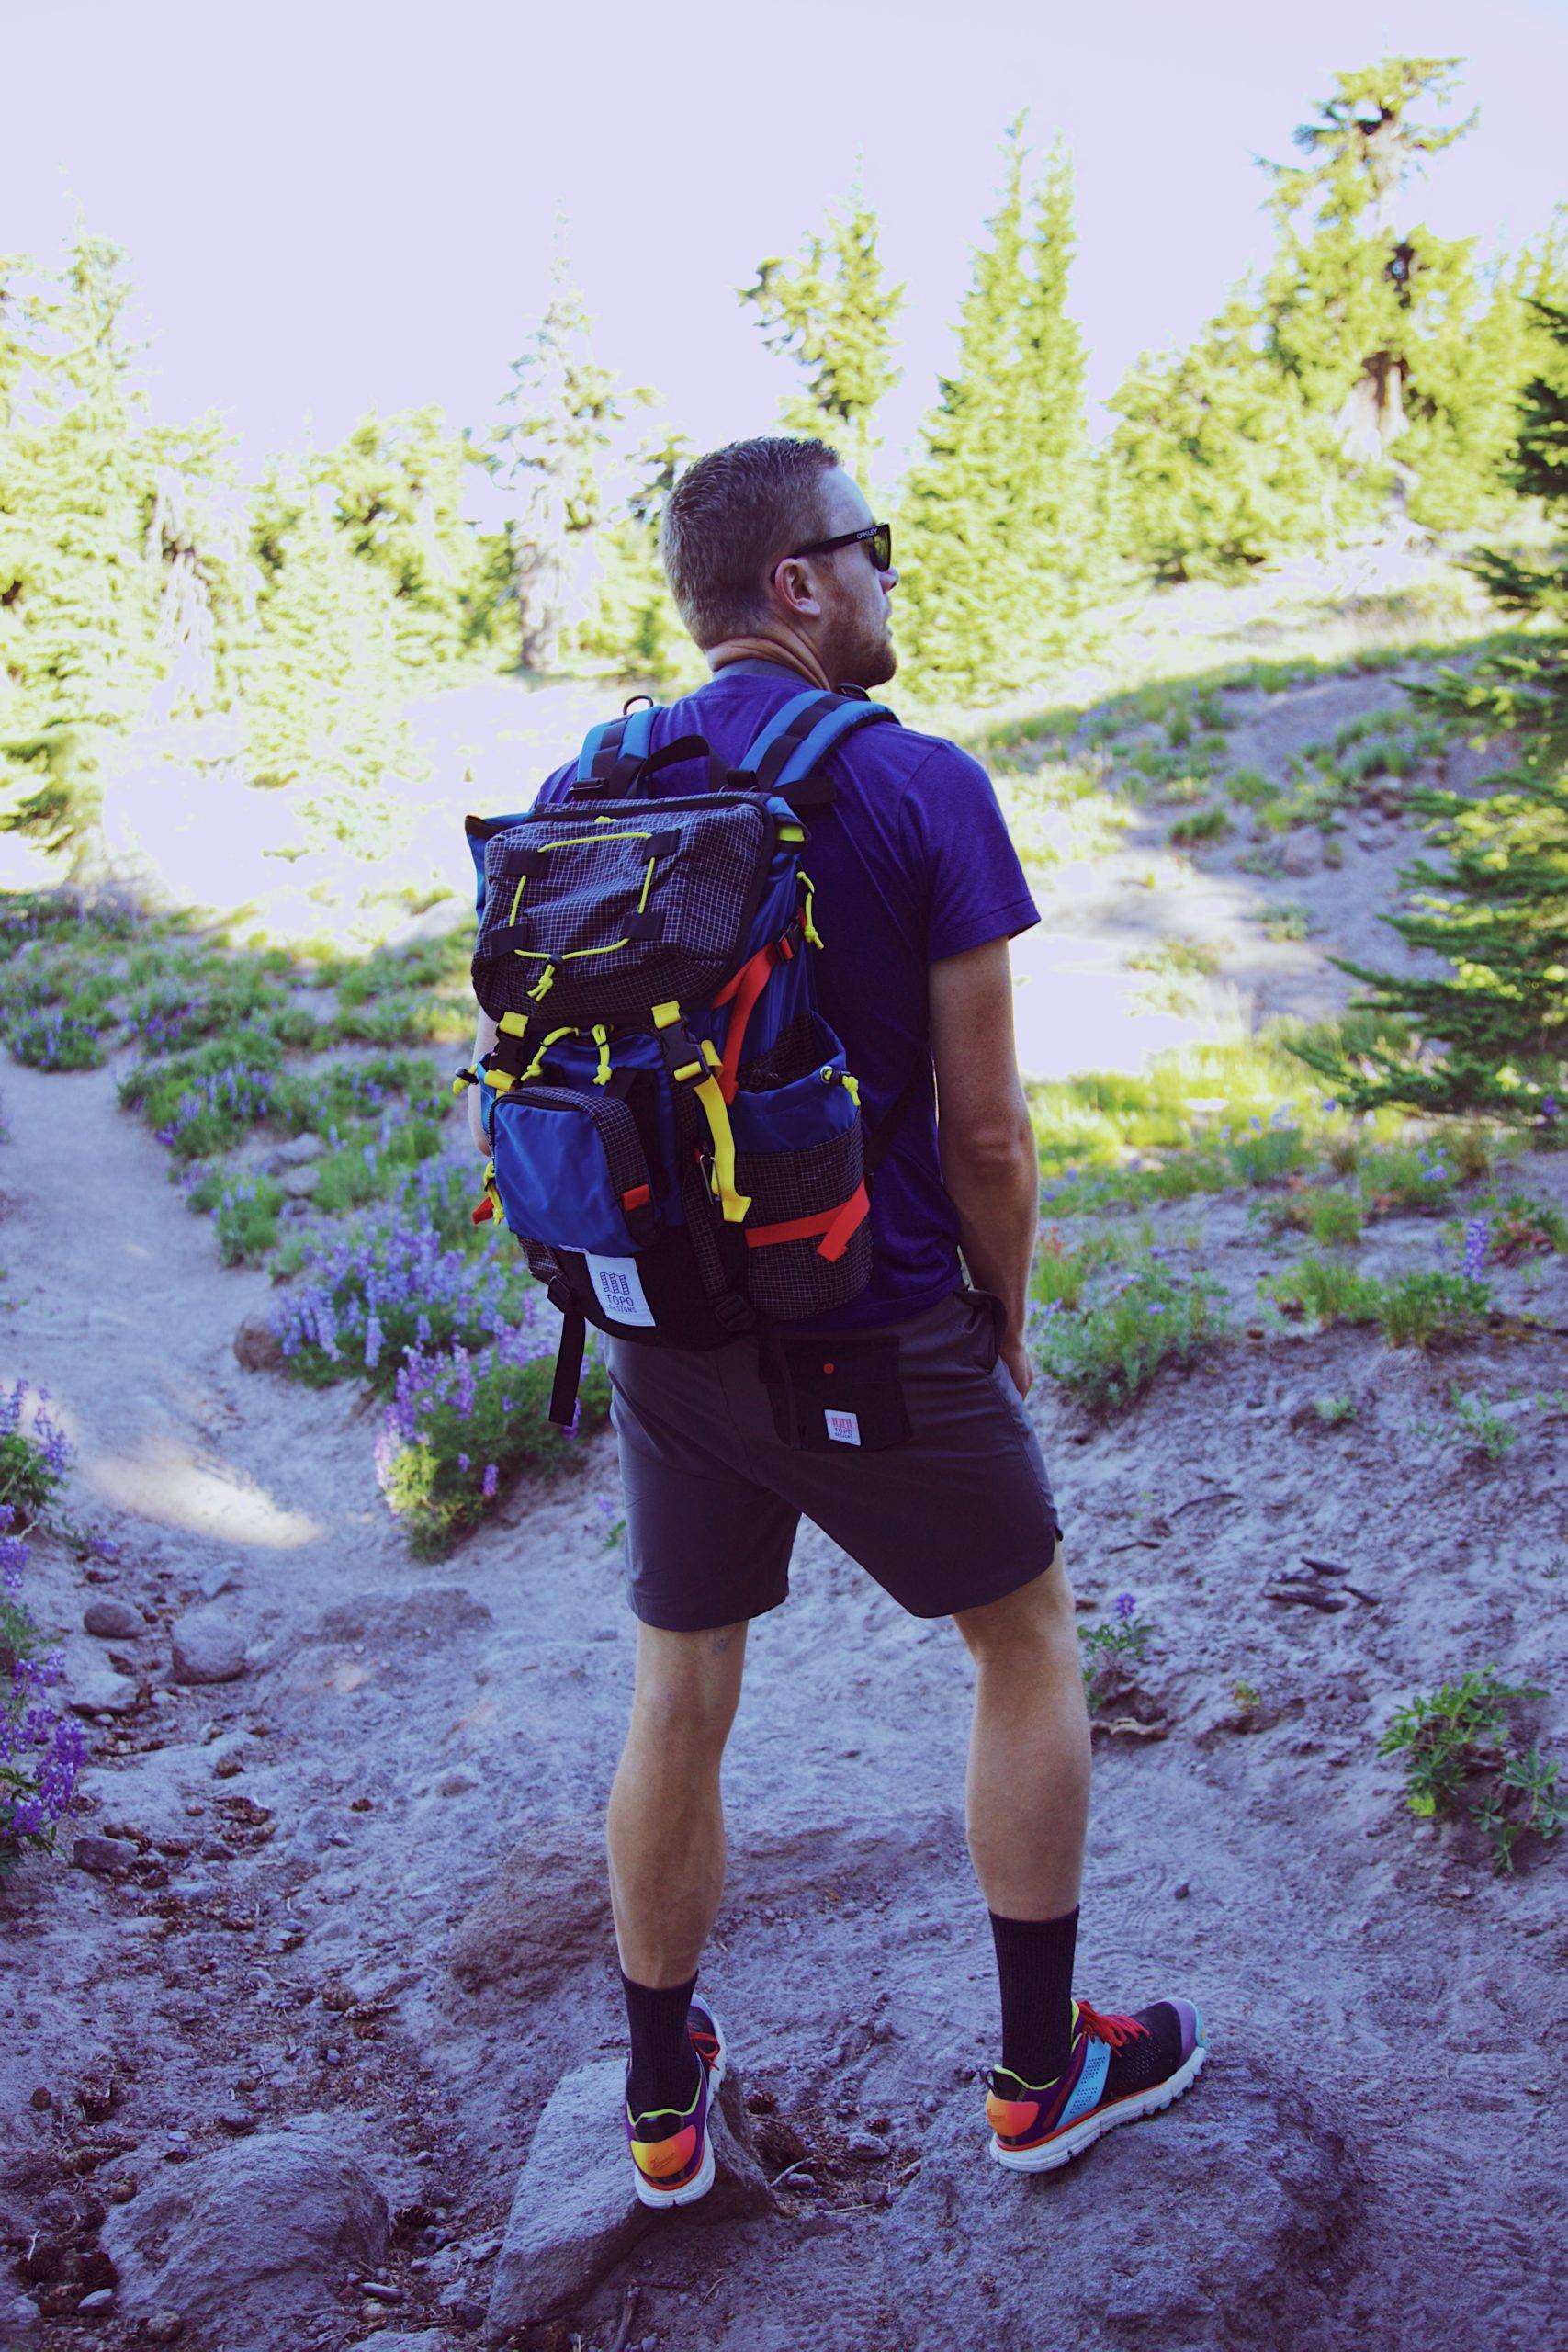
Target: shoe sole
(1061,2150)
(658,2199)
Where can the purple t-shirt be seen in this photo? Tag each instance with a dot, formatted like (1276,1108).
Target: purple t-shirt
(911,864)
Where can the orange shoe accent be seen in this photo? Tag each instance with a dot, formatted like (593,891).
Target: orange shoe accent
(1009,2119)
(661,2159)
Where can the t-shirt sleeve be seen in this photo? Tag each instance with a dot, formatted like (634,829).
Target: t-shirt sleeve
(975,890)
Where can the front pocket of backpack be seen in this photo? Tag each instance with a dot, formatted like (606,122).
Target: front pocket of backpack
(571,1171)
(800,1156)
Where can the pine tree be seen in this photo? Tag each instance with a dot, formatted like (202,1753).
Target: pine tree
(1367,309)
(553,453)
(319,681)
(832,314)
(79,598)
(397,483)
(999,546)
(1492,1035)
(1221,463)
(633,622)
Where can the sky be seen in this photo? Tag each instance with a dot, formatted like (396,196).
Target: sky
(333,207)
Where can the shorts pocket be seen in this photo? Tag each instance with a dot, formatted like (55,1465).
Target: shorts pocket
(835,1392)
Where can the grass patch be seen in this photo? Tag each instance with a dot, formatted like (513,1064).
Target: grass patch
(1460,1760)
(1204,825)
(1108,1350)
(1424,1308)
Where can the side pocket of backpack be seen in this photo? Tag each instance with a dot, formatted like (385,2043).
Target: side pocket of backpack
(800,1155)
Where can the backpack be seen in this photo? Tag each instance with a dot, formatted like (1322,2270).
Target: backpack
(675,1140)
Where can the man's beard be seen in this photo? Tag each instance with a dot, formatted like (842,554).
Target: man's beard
(862,657)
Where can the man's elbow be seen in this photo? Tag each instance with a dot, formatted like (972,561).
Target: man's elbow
(991,1148)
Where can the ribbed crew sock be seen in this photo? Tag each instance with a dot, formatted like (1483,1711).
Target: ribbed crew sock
(664,2065)
(1034,1962)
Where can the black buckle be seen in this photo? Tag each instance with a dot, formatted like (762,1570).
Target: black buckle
(680,1049)
(733,1313)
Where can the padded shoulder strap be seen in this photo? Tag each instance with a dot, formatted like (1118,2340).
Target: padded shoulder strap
(797,737)
(612,753)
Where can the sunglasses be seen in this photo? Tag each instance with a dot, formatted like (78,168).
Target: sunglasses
(879,536)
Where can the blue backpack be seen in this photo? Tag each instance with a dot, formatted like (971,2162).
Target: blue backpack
(675,1140)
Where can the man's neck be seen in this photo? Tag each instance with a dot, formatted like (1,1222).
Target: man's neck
(798,658)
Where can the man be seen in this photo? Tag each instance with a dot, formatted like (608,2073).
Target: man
(781,577)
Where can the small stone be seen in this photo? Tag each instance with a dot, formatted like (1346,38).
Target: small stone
(164,2327)
(218,1579)
(299,1151)
(98,2300)
(113,1621)
(1301,852)
(95,1689)
(298,1184)
(105,1857)
(257,1347)
(1183,1889)
(380,2292)
(206,1649)
(457,1782)
(21,2321)
(866,2147)
(41,2097)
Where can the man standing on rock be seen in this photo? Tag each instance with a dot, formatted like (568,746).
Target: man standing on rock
(783,578)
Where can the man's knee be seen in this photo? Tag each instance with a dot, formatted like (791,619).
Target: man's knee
(689,1683)
(1035,1619)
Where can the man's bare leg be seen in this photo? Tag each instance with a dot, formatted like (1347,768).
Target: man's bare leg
(1027,1794)
(666,1819)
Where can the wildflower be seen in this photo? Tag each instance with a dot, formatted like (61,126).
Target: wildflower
(1127,1606)
(492,1480)
(1477,1239)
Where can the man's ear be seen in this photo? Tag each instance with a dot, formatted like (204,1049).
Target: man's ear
(793,585)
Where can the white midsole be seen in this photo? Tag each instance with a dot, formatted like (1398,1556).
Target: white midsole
(702,2182)
(1079,2136)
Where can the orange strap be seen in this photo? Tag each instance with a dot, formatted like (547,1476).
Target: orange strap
(745,986)
(835,1225)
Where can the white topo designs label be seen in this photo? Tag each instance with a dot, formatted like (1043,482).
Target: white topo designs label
(844,1427)
(617,1286)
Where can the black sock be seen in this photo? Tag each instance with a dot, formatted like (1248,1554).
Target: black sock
(664,2065)
(1034,1962)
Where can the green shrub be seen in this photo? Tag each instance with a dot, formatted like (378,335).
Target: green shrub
(1330,1290)
(1460,1738)
(1108,1351)
(1334,1218)
(1333,1411)
(1286,922)
(1204,825)
(1108,1651)
(460,1429)
(1490,1432)
(247,1214)
(1251,788)
(1418,1310)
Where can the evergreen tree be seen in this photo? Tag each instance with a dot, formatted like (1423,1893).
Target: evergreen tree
(79,599)
(1368,310)
(1222,462)
(998,546)
(319,682)
(832,314)
(634,622)
(553,454)
(397,484)
(1492,1035)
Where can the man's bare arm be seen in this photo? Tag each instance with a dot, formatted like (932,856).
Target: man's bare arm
(485,1035)
(984,1137)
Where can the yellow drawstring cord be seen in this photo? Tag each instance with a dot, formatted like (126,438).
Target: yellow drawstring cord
(602,1039)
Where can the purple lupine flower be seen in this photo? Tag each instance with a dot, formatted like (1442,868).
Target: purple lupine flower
(1127,1606)
(492,1480)
(1477,1240)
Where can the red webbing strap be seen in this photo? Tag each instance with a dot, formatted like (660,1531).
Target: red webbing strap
(835,1225)
(746,986)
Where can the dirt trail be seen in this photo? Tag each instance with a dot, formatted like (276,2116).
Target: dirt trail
(399,1806)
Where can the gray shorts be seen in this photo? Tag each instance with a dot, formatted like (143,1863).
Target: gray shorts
(906,1444)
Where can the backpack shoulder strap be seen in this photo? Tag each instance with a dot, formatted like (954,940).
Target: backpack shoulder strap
(478,830)
(612,752)
(802,734)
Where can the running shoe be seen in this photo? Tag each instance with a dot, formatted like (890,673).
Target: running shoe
(1121,2068)
(672,2155)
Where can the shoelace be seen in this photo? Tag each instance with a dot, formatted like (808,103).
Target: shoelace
(706,2046)
(1109,2027)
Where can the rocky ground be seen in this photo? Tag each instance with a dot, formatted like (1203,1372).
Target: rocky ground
(317,2038)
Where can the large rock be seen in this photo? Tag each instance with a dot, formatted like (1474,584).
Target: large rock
(546,1916)
(93,1687)
(206,1649)
(1235,2212)
(257,1347)
(1301,852)
(251,2244)
(576,2215)
(112,1620)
